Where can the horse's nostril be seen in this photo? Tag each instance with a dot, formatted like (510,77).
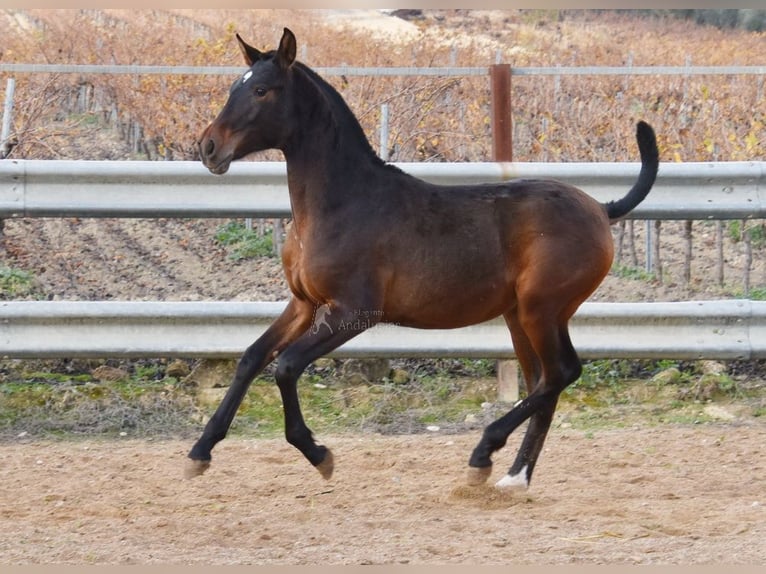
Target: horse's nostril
(210,147)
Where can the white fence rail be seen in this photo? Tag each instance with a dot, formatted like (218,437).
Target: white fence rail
(43,188)
(734,329)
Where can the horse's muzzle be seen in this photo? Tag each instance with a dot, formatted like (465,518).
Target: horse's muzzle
(210,153)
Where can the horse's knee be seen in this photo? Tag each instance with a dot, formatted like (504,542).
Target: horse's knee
(287,371)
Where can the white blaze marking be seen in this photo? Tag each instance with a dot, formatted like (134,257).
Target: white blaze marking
(516,481)
(247,76)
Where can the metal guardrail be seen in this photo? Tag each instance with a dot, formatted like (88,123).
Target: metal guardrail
(731,329)
(43,329)
(46,188)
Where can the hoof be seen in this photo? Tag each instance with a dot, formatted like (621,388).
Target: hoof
(478,475)
(327,465)
(518,481)
(510,483)
(195,468)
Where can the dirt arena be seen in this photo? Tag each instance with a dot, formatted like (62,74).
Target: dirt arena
(662,495)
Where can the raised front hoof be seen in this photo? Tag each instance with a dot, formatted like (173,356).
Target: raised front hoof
(327,465)
(195,468)
(477,476)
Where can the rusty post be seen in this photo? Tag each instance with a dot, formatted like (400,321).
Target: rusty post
(500,80)
(502,150)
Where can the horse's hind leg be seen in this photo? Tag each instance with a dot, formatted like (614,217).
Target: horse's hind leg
(293,321)
(480,466)
(569,367)
(559,366)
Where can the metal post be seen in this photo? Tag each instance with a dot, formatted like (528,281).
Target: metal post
(10,88)
(648,246)
(502,150)
(500,80)
(384,132)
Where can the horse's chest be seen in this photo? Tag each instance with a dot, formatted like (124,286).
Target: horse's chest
(305,275)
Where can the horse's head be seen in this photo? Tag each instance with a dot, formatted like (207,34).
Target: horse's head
(256,115)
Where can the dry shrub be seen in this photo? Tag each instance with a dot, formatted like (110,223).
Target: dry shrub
(556,118)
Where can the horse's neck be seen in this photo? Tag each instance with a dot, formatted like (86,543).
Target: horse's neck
(327,165)
(330,162)
(321,179)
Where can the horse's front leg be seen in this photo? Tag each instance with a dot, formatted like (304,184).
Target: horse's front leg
(294,320)
(339,326)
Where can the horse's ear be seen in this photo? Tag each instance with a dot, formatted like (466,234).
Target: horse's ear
(251,54)
(286,51)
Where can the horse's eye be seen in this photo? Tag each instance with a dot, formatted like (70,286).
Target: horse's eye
(260,92)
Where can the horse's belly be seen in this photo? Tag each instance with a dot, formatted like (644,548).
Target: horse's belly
(442,304)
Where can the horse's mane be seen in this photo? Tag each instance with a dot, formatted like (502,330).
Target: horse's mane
(343,114)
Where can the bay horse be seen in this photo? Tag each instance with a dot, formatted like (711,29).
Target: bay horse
(368,240)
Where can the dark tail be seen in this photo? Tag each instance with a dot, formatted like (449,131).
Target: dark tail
(647,145)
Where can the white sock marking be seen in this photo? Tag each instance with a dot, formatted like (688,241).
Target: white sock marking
(516,481)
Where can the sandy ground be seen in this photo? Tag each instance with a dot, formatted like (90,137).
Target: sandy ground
(662,495)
